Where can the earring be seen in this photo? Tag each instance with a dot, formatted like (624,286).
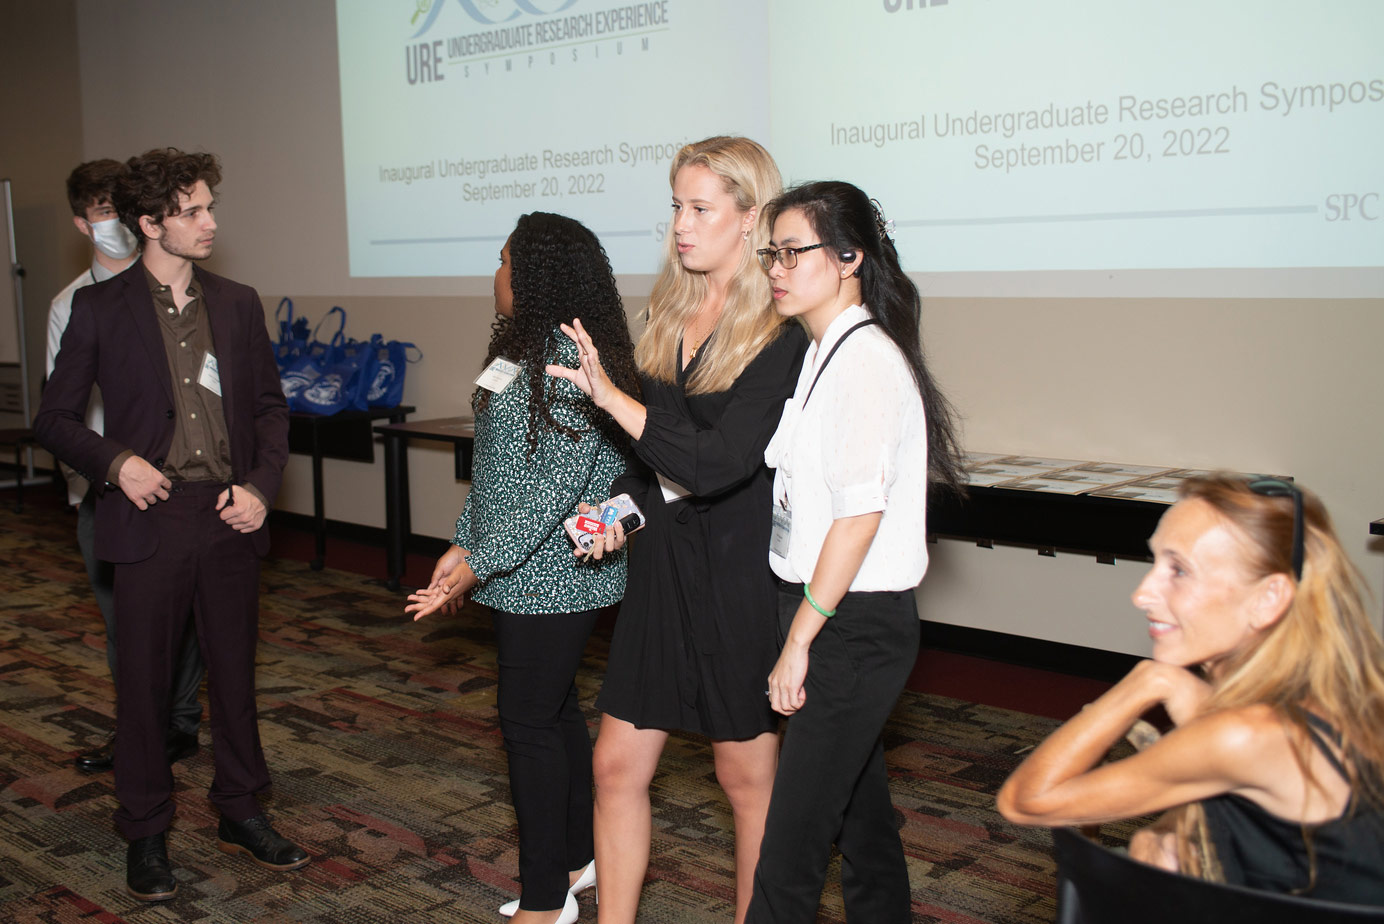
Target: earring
(744,235)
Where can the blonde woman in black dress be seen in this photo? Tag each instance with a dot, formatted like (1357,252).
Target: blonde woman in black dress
(695,636)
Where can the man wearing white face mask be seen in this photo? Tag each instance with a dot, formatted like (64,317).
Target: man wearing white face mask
(114,248)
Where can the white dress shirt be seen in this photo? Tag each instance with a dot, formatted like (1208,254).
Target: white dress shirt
(59,313)
(858,446)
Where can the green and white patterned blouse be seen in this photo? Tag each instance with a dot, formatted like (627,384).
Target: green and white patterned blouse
(512,521)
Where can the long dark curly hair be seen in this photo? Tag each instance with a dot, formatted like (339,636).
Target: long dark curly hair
(560,271)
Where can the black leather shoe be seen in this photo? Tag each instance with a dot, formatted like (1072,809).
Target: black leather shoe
(100,760)
(258,840)
(179,745)
(148,874)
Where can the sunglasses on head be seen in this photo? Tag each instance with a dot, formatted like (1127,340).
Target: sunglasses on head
(1277,487)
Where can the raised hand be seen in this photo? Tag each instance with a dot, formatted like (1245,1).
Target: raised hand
(590,375)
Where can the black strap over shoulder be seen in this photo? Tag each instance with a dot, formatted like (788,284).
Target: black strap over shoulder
(836,346)
(1320,731)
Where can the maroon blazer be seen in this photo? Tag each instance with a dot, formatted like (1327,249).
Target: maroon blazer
(113,341)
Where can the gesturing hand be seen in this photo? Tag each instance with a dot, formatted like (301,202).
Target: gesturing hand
(589,375)
(452,579)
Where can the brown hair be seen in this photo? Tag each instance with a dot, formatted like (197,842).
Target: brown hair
(152,181)
(92,183)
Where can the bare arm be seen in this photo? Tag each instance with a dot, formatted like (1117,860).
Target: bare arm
(1238,751)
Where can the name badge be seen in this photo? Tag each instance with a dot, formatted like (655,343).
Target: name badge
(497,375)
(672,490)
(210,376)
(783,529)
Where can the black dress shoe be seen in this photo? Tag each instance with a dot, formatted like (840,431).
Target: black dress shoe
(148,874)
(98,761)
(179,745)
(258,840)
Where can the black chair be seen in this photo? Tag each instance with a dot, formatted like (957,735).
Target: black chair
(1100,886)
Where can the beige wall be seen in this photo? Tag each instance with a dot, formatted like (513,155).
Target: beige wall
(41,141)
(1269,385)
(1278,385)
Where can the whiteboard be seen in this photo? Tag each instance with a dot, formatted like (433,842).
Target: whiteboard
(9,303)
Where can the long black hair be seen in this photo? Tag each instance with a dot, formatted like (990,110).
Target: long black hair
(560,271)
(844,218)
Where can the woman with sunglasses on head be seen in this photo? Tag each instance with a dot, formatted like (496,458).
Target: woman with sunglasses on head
(541,447)
(1273,676)
(695,637)
(864,431)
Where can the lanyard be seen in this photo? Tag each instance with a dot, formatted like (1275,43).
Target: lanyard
(836,346)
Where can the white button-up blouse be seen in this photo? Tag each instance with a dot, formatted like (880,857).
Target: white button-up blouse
(859,446)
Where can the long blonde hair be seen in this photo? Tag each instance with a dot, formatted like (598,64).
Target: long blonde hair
(748,322)
(1323,653)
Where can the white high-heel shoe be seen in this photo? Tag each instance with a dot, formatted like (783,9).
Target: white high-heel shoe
(587,880)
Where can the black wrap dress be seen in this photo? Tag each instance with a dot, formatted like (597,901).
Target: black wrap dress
(696,636)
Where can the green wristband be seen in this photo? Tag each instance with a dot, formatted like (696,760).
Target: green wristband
(807,592)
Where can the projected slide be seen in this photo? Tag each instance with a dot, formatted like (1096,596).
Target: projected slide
(1095,134)
(1000,135)
(460,115)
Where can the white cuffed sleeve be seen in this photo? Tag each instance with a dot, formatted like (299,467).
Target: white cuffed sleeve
(862,422)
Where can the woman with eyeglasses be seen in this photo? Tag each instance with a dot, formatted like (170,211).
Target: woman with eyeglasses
(865,429)
(1272,673)
(695,635)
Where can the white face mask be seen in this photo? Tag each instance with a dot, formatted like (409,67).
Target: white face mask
(113,239)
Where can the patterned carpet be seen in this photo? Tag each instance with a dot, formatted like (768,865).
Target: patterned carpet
(388,767)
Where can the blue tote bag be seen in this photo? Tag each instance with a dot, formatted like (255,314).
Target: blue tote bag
(329,378)
(385,365)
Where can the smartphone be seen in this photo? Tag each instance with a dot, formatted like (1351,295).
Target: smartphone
(584,528)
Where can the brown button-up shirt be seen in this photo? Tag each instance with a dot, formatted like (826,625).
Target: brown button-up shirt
(201,449)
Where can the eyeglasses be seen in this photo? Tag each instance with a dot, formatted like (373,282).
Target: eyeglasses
(1277,487)
(788,256)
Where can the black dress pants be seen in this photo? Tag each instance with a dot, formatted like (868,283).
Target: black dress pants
(549,748)
(832,785)
(206,567)
(186,712)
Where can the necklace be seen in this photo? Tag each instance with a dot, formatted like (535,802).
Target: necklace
(700,341)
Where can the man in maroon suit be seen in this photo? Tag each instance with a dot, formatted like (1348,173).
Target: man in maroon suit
(196,437)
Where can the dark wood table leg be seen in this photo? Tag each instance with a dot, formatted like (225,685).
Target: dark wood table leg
(319,514)
(395,503)
(398,515)
(461,462)
(19,477)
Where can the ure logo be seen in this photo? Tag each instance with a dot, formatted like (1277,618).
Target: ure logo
(486,12)
(893,6)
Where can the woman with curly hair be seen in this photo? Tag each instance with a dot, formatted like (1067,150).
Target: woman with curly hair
(1273,675)
(541,446)
(695,637)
